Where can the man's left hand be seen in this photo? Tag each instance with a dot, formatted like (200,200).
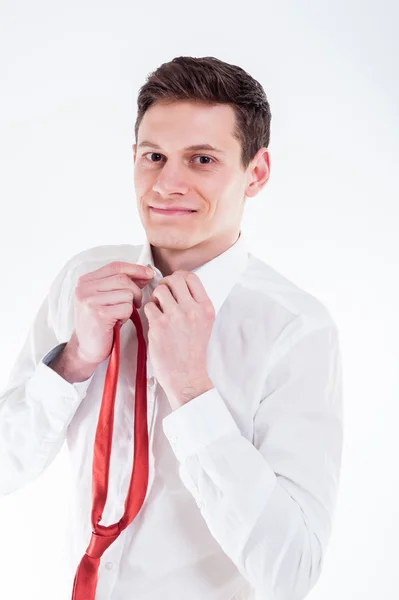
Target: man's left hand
(180,316)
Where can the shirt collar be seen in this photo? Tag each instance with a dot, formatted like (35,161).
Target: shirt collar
(218,276)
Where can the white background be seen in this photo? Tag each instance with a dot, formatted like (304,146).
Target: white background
(328,219)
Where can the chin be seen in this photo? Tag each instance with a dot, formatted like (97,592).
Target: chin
(171,240)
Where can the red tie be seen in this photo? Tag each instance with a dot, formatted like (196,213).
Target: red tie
(86,577)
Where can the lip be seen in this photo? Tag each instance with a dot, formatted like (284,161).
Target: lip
(169,212)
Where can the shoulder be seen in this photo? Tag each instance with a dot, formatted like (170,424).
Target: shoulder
(96,257)
(283,299)
(286,313)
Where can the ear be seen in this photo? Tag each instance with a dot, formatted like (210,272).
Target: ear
(260,173)
(134,148)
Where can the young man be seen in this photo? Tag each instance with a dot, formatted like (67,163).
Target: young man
(244,379)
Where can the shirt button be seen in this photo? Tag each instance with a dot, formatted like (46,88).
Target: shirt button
(109,566)
(151,381)
(173,439)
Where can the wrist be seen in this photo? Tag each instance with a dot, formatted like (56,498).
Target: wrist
(69,364)
(185,392)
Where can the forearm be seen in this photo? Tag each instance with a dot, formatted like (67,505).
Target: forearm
(274,530)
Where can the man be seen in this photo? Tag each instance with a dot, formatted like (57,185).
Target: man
(244,379)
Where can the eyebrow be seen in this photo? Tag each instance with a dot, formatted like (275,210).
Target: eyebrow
(193,148)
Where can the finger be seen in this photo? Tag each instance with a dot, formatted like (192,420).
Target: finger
(163,297)
(115,283)
(177,285)
(196,288)
(118,267)
(121,312)
(151,311)
(112,298)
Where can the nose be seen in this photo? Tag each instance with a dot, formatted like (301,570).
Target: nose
(171,180)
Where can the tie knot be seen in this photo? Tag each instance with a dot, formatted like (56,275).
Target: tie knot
(99,543)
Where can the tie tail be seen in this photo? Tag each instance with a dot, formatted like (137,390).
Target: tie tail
(86,577)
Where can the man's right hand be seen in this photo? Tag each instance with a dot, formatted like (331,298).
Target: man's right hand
(102,298)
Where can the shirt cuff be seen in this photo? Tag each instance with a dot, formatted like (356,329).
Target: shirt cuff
(198,423)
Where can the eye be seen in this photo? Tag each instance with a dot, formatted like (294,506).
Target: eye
(198,156)
(204,156)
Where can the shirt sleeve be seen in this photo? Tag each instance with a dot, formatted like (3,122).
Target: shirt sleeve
(37,404)
(270,503)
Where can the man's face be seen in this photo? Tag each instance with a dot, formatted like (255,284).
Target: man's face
(212,183)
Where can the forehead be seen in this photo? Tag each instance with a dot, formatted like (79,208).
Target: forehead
(187,122)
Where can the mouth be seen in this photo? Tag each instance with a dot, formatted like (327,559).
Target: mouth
(161,211)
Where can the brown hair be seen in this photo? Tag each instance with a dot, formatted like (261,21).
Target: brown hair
(211,81)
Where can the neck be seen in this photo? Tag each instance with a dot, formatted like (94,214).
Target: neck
(169,260)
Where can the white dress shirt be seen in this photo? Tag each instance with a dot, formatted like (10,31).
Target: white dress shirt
(243,479)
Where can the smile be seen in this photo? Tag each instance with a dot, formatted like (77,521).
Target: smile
(171,213)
